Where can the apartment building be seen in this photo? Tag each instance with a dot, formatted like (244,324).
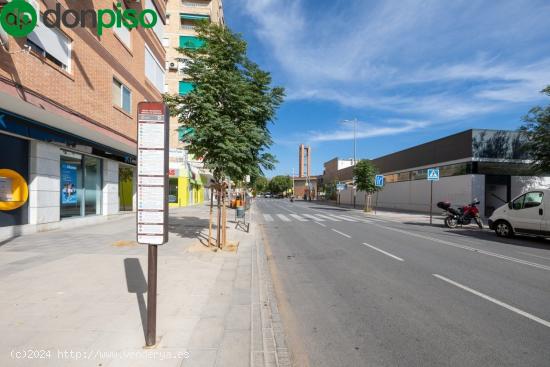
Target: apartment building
(68,100)
(187,176)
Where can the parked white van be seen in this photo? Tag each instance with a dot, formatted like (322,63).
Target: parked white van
(528,213)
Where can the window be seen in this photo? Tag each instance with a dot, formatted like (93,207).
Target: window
(51,44)
(185,87)
(154,71)
(122,96)
(532,200)
(123,34)
(196,3)
(81,181)
(188,21)
(159,26)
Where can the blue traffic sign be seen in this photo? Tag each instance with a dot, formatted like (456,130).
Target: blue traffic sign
(379,180)
(433,174)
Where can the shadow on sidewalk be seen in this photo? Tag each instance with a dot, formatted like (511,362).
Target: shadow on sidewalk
(136,283)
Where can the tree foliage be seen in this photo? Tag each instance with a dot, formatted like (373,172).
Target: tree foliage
(230,106)
(365,172)
(260,184)
(280,184)
(537,130)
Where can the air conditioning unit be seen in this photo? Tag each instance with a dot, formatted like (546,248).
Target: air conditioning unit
(171,65)
(182,65)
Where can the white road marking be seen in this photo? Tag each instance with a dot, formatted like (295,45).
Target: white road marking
(321,224)
(341,217)
(329,218)
(296,216)
(540,257)
(268,218)
(494,300)
(349,219)
(283,218)
(473,249)
(384,252)
(343,234)
(311,216)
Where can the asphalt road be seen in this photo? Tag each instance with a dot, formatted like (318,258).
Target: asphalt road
(364,292)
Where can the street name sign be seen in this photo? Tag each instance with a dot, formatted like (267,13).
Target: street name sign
(340,186)
(152,185)
(379,180)
(433,174)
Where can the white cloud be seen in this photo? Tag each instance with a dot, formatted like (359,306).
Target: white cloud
(420,60)
(366,130)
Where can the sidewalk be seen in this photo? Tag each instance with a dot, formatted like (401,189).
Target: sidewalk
(78,298)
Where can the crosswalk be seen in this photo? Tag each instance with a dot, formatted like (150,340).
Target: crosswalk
(286,217)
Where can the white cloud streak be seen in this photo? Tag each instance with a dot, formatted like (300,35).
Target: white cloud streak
(430,60)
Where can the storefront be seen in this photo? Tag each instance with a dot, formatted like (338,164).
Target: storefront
(14,155)
(66,177)
(185,184)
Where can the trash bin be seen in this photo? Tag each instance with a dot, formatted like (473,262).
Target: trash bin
(240,212)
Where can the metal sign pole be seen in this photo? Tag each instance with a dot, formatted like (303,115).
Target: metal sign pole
(152,296)
(152,197)
(431,199)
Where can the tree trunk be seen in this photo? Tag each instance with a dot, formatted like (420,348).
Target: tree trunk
(210,220)
(224,222)
(219,222)
(365,205)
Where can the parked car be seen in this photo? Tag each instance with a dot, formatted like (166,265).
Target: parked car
(268,195)
(528,213)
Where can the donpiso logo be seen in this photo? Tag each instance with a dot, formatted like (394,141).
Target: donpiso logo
(18,18)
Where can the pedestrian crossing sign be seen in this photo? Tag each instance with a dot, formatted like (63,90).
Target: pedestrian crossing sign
(433,174)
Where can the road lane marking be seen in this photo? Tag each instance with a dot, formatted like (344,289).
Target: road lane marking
(296,216)
(473,249)
(321,224)
(494,300)
(382,251)
(329,218)
(311,216)
(341,217)
(349,219)
(343,234)
(268,218)
(283,218)
(540,257)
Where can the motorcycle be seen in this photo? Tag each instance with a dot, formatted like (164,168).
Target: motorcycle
(461,215)
(291,199)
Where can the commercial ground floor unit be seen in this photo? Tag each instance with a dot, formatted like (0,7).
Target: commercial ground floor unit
(70,181)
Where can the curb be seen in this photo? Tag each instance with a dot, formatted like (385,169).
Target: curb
(268,342)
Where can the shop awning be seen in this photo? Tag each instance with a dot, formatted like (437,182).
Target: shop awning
(194,16)
(191,42)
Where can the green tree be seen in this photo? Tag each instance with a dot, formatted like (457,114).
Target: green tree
(280,184)
(365,172)
(229,107)
(260,184)
(537,131)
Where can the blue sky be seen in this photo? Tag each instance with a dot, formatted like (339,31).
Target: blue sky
(408,71)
